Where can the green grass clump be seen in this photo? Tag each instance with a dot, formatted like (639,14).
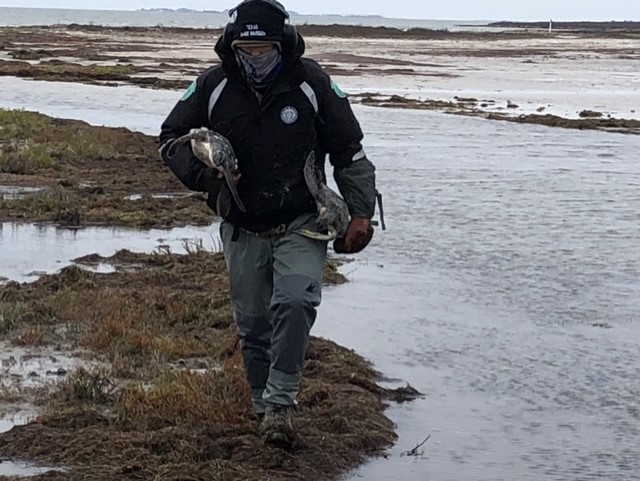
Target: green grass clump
(57,205)
(30,142)
(11,313)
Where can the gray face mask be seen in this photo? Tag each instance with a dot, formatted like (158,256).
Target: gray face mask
(260,68)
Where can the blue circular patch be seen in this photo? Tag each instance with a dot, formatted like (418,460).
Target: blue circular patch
(289,115)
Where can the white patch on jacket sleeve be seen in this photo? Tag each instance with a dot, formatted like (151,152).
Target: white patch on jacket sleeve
(215,95)
(359,156)
(311,95)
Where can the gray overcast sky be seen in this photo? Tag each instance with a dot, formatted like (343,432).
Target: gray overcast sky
(447,10)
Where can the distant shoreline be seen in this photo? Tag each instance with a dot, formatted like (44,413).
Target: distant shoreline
(502,30)
(573,25)
(181,10)
(515,24)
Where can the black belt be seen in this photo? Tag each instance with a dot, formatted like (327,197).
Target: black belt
(273,232)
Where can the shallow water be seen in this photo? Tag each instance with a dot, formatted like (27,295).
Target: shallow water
(21,470)
(12,467)
(36,368)
(27,251)
(507,245)
(506,288)
(10,420)
(562,86)
(12,192)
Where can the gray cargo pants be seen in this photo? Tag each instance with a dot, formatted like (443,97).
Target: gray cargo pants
(275,289)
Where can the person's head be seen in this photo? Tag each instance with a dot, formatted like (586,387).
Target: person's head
(258,35)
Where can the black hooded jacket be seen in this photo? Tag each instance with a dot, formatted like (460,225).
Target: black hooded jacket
(301,111)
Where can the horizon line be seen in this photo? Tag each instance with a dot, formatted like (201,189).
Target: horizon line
(299,14)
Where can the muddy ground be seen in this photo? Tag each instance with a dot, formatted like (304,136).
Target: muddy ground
(167,397)
(589,120)
(410,61)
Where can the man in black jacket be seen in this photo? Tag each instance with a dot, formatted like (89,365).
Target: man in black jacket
(274,107)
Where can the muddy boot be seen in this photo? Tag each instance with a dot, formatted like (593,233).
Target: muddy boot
(276,428)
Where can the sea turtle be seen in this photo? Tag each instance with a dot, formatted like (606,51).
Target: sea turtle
(333,213)
(213,150)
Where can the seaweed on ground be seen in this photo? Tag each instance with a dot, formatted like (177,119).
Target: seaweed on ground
(155,414)
(90,175)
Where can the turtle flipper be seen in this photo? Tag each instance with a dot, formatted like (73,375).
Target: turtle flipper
(231,183)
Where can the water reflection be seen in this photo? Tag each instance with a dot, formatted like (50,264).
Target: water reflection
(27,251)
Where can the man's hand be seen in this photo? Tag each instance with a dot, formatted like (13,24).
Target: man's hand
(358,236)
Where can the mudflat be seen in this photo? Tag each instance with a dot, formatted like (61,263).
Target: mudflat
(585,74)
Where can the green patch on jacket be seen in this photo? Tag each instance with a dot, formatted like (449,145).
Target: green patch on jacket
(189,92)
(338,91)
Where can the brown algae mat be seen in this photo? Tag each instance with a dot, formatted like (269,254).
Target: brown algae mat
(173,403)
(469,107)
(88,175)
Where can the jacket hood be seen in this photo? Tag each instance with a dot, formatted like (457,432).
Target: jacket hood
(230,65)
